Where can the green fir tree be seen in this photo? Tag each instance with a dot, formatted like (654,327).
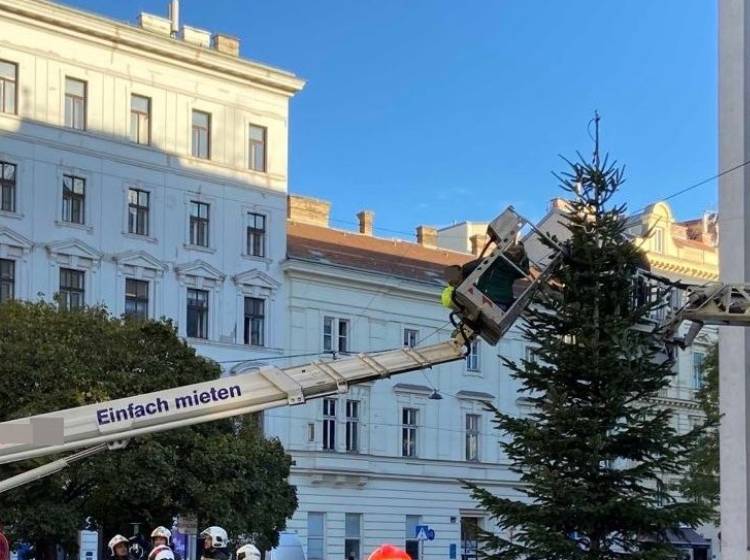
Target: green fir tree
(701,482)
(595,455)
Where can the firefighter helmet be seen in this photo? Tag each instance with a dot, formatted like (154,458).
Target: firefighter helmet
(216,537)
(161,552)
(248,552)
(114,541)
(162,532)
(389,552)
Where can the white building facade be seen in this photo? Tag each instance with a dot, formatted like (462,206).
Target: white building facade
(372,464)
(144,172)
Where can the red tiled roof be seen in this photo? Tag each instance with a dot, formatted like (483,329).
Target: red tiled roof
(382,256)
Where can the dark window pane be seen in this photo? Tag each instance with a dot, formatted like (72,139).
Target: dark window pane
(7,279)
(254,325)
(329,424)
(74,189)
(7,187)
(136,298)
(197,313)
(138,211)
(256,235)
(71,288)
(199,220)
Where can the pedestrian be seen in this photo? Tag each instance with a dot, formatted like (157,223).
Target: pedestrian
(118,548)
(215,541)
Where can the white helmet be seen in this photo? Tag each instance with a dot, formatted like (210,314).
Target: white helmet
(114,541)
(161,552)
(162,532)
(248,552)
(216,537)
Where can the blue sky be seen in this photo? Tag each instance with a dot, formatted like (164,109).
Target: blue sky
(435,111)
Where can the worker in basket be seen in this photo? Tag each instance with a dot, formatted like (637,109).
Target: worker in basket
(496,282)
(215,541)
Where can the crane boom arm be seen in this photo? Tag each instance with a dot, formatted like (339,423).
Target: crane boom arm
(711,304)
(265,388)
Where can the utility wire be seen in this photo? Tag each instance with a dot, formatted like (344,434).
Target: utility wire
(704,181)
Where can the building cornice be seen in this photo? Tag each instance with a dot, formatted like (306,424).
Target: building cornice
(95,28)
(342,275)
(683,267)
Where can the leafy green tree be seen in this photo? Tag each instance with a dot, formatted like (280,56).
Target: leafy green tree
(594,456)
(701,482)
(224,472)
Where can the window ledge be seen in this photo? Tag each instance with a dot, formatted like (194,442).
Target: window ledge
(200,248)
(473,372)
(83,227)
(195,340)
(272,353)
(257,259)
(14,215)
(199,159)
(141,237)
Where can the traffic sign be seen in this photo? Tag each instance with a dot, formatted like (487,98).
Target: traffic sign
(424,533)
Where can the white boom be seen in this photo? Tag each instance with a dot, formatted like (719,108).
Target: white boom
(265,388)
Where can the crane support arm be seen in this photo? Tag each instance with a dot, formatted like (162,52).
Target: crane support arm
(265,388)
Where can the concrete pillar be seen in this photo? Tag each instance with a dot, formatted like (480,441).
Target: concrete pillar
(734,209)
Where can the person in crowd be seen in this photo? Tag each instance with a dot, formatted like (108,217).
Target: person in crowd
(118,548)
(215,542)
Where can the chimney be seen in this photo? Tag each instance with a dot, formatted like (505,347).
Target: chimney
(196,36)
(306,210)
(226,44)
(427,236)
(366,219)
(155,24)
(478,242)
